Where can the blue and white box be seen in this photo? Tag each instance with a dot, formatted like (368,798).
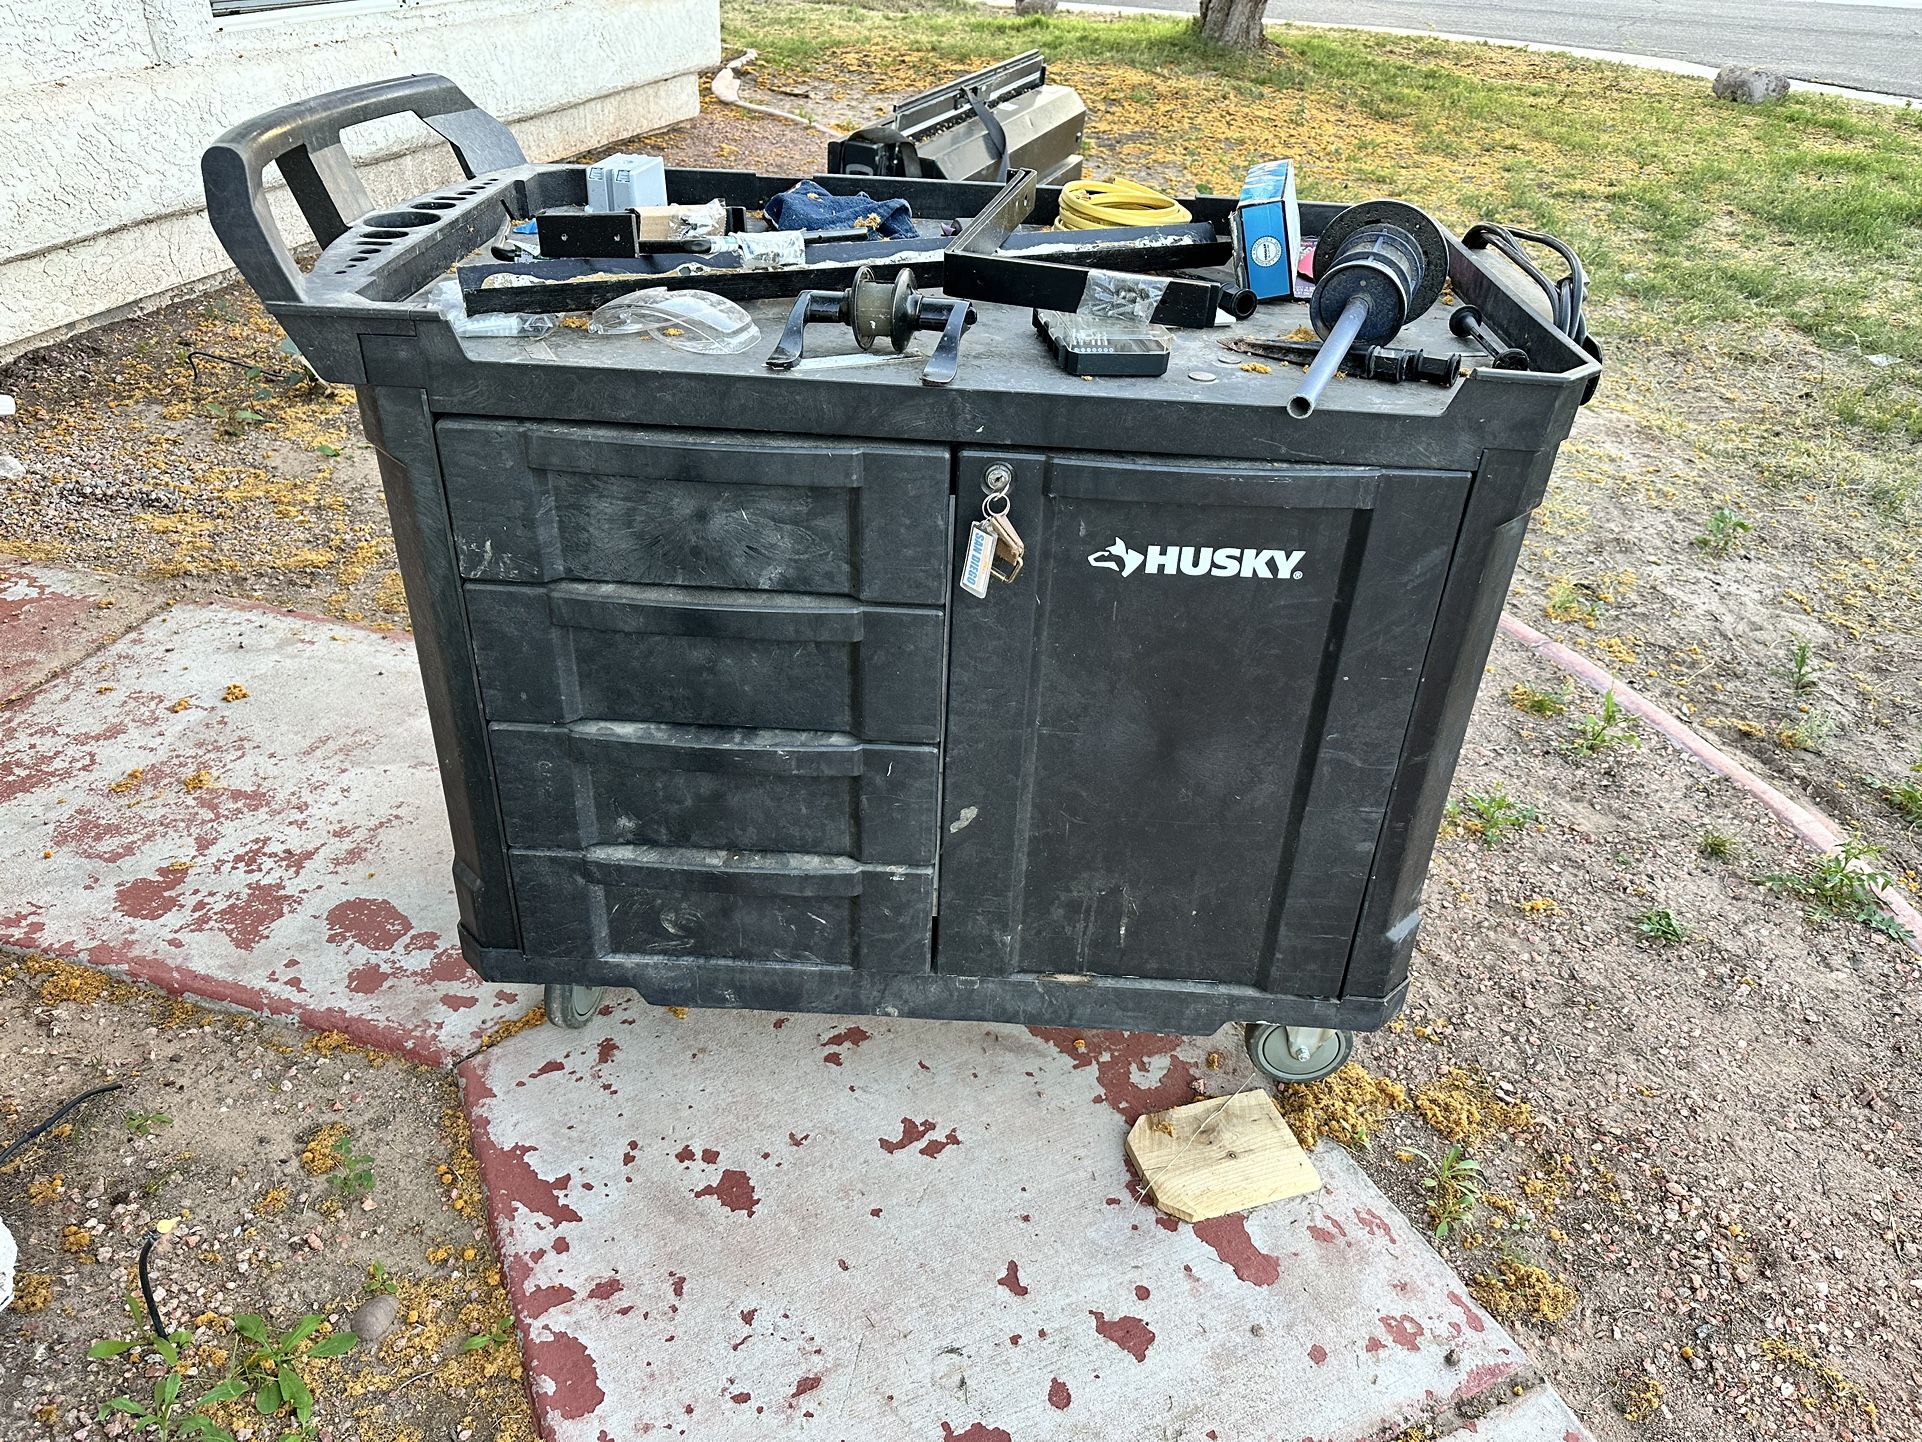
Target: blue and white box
(626,182)
(1267,230)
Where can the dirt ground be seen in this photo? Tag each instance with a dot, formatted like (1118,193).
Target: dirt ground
(1712,1143)
(227,1124)
(1700,1195)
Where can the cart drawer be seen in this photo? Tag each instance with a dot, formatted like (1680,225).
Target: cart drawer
(578,650)
(617,783)
(612,901)
(684,508)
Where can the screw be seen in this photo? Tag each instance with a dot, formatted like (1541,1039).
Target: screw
(997,477)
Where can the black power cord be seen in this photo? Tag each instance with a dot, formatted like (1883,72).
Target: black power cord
(146,1287)
(20,1143)
(1567,297)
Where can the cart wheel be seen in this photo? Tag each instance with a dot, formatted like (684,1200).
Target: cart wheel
(573,1006)
(1272,1050)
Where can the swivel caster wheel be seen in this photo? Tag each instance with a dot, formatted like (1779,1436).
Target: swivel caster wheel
(572,1007)
(1298,1053)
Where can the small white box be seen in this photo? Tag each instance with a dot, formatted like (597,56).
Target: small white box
(626,182)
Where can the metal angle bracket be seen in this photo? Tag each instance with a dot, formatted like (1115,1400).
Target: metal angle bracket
(974,267)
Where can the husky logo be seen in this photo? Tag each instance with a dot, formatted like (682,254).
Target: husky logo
(1248,561)
(1117,558)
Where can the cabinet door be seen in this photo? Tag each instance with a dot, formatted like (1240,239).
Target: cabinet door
(1170,740)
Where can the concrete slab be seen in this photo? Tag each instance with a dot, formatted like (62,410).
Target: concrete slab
(286,851)
(733,1225)
(51,618)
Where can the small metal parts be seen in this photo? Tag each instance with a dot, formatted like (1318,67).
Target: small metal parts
(877,310)
(1093,345)
(1372,362)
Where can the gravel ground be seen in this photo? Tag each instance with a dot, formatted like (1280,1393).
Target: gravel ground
(225,1127)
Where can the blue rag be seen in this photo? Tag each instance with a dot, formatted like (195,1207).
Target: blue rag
(808,207)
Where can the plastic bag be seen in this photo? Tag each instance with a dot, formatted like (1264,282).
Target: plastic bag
(444,296)
(690,320)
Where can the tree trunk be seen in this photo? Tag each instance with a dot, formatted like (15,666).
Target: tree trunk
(1232,22)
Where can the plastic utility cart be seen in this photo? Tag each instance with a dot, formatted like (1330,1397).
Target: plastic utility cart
(716,718)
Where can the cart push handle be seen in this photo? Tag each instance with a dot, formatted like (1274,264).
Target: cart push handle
(303,140)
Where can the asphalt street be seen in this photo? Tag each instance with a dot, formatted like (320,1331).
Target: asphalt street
(1833,42)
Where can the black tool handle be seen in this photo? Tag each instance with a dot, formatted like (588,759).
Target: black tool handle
(303,140)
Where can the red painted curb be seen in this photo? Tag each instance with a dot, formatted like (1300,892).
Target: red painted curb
(1814,828)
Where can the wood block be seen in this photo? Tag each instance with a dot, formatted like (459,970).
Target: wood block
(1226,1154)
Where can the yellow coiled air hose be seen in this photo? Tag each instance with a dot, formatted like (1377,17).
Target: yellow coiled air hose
(1097,204)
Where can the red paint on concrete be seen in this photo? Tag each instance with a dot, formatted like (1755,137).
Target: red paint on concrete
(684,1155)
(1011,1279)
(850,1037)
(542,1300)
(520,1183)
(734,1191)
(368,978)
(1228,1238)
(1318,1354)
(974,1432)
(604,1053)
(604,1289)
(1374,1223)
(1058,1395)
(911,1132)
(1404,1331)
(804,1386)
(567,1367)
(148,898)
(938,1145)
(547,1068)
(1130,1334)
(246,919)
(1470,1313)
(1141,1293)
(370,921)
(709,1156)
(1116,1056)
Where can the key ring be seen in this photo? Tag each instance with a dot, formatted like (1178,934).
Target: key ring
(988,507)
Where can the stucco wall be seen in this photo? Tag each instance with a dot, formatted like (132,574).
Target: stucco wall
(105,106)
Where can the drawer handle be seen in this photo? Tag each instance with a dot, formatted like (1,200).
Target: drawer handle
(661,458)
(737,873)
(619,608)
(737,755)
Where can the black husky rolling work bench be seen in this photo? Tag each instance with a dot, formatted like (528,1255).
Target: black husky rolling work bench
(715,720)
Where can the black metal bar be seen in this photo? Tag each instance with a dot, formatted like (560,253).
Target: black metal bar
(832,266)
(976,268)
